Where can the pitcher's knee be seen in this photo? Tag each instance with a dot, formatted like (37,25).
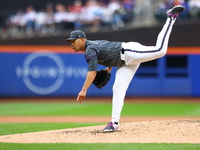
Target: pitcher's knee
(116,88)
(119,88)
(162,53)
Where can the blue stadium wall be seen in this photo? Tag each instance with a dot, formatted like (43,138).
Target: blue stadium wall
(30,68)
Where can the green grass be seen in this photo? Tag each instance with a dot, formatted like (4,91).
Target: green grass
(88,109)
(64,146)
(98,109)
(14,128)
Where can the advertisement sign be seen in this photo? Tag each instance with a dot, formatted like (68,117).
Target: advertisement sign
(39,71)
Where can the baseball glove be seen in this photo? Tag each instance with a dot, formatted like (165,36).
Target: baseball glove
(101,79)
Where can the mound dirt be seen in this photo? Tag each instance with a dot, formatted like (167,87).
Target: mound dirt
(161,131)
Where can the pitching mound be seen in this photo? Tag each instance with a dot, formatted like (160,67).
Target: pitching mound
(168,131)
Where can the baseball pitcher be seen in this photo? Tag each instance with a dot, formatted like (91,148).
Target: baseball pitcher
(126,56)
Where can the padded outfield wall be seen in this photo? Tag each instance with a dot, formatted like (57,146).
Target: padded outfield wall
(31,67)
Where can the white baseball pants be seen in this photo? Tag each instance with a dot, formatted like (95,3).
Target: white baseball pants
(134,54)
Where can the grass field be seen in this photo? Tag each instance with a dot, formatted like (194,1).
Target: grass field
(88,109)
(64,146)
(98,109)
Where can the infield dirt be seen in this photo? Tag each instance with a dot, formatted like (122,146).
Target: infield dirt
(161,131)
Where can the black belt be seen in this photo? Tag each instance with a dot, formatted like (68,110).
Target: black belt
(122,50)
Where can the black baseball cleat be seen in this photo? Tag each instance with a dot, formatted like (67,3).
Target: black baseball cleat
(175,11)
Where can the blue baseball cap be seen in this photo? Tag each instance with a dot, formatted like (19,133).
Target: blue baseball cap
(75,35)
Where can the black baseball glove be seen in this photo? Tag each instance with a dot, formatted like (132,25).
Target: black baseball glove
(101,79)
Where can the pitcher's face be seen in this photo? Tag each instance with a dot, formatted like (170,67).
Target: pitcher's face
(78,44)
